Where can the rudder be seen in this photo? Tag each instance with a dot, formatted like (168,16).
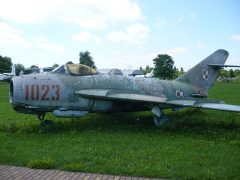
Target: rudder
(202,76)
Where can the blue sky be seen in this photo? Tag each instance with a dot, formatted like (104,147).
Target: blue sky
(123,34)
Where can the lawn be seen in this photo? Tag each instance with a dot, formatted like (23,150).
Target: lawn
(197,144)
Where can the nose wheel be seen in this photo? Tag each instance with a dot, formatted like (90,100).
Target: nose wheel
(43,122)
(41,116)
(160,121)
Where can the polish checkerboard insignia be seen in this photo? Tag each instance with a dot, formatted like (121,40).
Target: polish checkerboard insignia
(205,74)
(179,93)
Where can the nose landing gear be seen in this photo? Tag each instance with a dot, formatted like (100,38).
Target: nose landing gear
(43,122)
(41,116)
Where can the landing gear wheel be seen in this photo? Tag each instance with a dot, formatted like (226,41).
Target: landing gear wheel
(159,118)
(41,117)
(46,123)
(159,121)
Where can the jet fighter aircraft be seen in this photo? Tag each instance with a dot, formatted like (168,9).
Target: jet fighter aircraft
(8,76)
(73,90)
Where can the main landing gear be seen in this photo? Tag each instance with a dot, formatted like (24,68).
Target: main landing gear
(159,118)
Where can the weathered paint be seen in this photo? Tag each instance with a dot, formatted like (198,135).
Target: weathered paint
(68,85)
(40,93)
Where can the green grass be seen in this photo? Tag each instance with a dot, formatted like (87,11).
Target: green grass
(197,144)
(45,163)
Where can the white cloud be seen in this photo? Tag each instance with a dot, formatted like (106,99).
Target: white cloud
(85,36)
(181,33)
(85,13)
(193,15)
(133,60)
(236,37)
(134,34)
(10,36)
(43,43)
(201,45)
(164,22)
(177,50)
(25,11)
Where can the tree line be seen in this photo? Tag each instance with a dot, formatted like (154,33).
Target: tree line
(5,64)
(164,69)
(163,66)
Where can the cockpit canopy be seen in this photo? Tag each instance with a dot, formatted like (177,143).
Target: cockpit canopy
(75,70)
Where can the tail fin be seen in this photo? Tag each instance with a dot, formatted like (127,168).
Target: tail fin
(203,74)
(13,72)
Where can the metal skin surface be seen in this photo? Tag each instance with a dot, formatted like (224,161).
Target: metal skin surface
(69,95)
(68,85)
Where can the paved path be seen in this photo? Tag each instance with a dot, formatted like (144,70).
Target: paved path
(23,173)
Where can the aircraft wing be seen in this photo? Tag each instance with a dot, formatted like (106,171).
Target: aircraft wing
(105,94)
(206,104)
(109,95)
(215,106)
(222,65)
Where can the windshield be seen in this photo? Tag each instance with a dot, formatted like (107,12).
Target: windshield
(75,69)
(80,70)
(60,69)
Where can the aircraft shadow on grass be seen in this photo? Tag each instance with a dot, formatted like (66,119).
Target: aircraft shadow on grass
(191,121)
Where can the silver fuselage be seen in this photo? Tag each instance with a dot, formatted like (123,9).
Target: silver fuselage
(48,92)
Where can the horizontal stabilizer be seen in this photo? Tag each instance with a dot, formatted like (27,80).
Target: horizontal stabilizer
(221,65)
(215,106)
(120,96)
(205,104)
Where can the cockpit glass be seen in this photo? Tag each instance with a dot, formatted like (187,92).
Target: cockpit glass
(80,70)
(75,70)
(60,69)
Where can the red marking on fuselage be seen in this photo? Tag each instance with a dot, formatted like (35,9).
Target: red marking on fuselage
(43,93)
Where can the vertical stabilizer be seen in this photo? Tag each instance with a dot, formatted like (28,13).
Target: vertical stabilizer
(13,72)
(203,75)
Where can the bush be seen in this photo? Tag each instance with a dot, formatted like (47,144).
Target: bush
(45,163)
(74,167)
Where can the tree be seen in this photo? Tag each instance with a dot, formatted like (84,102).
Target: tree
(69,62)
(147,70)
(163,66)
(237,72)
(179,73)
(34,66)
(182,71)
(55,65)
(86,58)
(5,64)
(231,73)
(19,68)
(223,73)
(176,72)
